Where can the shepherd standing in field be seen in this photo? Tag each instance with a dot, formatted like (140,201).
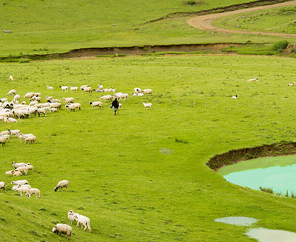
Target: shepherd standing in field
(115,105)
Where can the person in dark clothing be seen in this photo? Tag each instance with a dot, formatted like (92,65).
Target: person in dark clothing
(115,105)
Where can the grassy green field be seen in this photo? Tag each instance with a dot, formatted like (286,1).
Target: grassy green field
(41,27)
(278,20)
(141,176)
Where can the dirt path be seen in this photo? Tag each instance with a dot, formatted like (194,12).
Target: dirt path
(205,22)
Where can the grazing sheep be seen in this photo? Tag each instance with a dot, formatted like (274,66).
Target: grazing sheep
(73,89)
(33,191)
(292,84)
(137,90)
(147,91)
(7,31)
(17,186)
(30,139)
(106,97)
(22,189)
(11,77)
(53,110)
(6,136)
(77,105)
(23,169)
(70,107)
(83,221)
(14,132)
(17,97)
(63,229)
(29,95)
(4,132)
(64,88)
(2,186)
(10,120)
(2,140)
(83,86)
(9,172)
(234,97)
(23,137)
(16,173)
(96,104)
(20,182)
(253,79)
(87,89)
(147,105)
(69,99)
(61,185)
(49,88)
(17,165)
(41,110)
(72,216)
(2,100)
(11,92)
(55,105)
(138,94)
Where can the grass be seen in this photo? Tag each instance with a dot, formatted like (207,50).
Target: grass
(141,176)
(278,20)
(42,27)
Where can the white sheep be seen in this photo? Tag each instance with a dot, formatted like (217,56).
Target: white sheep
(55,105)
(61,185)
(87,89)
(83,86)
(234,97)
(11,77)
(70,107)
(11,92)
(49,88)
(96,104)
(72,216)
(16,173)
(2,140)
(6,136)
(20,182)
(29,94)
(83,221)
(33,191)
(147,91)
(23,137)
(77,105)
(2,186)
(253,79)
(14,132)
(17,186)
(137,90)
(22,189)
(69,99)
(106,97)
(73,89)
(30,139)
(10,120)
(23,169)
(64,88)
(292,84)
(63,229)
(17,165)
(53,110)
(9,172)
(147,105)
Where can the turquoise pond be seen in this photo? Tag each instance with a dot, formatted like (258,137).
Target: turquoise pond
(277,173)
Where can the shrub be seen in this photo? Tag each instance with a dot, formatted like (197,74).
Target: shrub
(280,46)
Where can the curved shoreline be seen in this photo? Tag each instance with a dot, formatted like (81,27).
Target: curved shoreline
(204,22)
(235,156)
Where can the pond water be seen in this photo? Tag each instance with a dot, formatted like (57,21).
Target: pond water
(260,234)
(270,235)
(277,173)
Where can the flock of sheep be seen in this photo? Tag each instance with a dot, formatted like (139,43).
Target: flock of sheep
(11,111)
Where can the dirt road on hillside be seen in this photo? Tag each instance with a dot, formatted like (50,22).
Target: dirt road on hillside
(205,22)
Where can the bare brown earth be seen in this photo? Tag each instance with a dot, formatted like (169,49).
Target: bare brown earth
(234,156)
(205,22)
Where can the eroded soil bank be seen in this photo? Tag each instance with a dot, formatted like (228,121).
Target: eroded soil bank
(234,156)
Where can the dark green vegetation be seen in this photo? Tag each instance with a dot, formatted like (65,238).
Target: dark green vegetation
(142,175)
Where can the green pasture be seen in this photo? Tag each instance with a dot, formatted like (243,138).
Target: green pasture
(42,27)
(142,175)
(277,20)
